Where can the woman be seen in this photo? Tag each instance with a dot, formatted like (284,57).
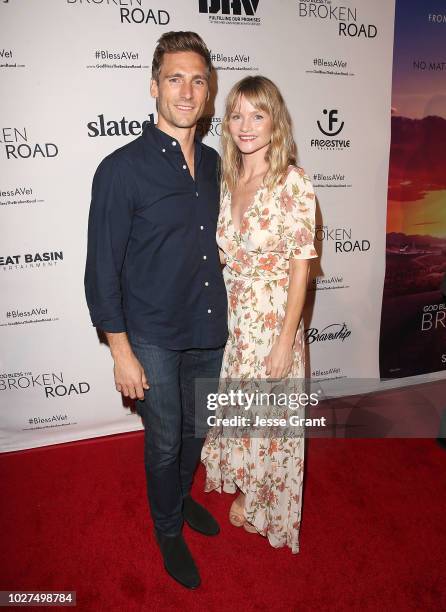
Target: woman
(265,234)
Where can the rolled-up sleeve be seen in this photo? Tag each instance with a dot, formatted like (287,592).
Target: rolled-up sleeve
(299,201)
(109,226)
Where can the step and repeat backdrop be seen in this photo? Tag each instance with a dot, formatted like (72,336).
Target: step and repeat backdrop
(75,82)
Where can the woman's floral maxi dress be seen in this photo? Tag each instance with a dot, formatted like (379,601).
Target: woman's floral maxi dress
(269,470)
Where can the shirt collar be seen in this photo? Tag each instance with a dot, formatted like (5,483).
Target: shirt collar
(165,142)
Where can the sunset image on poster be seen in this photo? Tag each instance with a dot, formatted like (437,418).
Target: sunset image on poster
(413,320)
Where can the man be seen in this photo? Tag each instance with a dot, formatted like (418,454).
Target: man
(154,285)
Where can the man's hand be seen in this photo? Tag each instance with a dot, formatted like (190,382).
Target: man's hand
(130,378)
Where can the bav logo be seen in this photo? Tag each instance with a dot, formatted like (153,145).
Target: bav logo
(229,7)
(232,12)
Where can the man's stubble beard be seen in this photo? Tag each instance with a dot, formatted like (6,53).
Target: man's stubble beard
(181,122)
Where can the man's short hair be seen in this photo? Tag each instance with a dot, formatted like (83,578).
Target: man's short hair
(176,42)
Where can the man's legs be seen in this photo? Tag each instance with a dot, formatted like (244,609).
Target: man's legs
(195,364)
(161,413)
(172,449)
(168,412)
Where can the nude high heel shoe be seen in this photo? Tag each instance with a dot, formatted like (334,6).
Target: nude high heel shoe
(236,514)
(249,528)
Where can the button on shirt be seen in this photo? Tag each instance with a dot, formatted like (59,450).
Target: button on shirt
(153,267)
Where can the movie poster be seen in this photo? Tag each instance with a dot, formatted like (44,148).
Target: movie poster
(413,320)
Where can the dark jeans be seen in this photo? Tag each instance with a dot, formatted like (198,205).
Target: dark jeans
(171,449)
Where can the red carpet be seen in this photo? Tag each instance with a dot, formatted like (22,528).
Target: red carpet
(74,517)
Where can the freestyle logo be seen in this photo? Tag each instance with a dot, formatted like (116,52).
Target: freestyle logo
(332,120)
(330,128)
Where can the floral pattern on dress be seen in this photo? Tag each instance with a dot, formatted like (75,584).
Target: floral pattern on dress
(276,226)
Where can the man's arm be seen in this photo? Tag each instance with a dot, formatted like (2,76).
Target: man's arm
(109,227)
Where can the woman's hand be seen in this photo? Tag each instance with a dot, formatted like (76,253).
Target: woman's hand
(280,359)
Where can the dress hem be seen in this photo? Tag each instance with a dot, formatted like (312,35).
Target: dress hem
(221,488)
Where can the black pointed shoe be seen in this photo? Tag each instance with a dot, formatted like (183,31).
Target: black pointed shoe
(178,561)
(198,518)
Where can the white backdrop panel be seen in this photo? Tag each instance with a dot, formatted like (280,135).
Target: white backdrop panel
(56,380)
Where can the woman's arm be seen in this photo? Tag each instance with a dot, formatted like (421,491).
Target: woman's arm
(280,359)
(222,257)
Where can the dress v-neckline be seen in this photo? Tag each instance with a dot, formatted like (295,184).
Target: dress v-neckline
(237,231)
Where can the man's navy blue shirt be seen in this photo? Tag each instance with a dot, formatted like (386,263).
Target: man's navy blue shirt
(153,267)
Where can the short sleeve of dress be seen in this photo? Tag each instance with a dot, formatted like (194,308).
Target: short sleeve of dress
(298,203)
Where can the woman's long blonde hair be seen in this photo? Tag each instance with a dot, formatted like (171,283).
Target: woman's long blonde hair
(264,96)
